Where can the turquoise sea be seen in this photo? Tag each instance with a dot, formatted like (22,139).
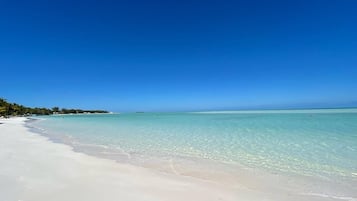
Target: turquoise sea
(310,143)
(296,152)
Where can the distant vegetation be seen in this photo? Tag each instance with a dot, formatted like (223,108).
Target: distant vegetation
(12,109)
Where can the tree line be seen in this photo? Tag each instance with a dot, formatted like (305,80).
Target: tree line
(13,109)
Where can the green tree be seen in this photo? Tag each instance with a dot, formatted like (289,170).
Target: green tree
(2,111)
(55,109)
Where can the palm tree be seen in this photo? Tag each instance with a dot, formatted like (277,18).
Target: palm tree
(2,111)
(4,107)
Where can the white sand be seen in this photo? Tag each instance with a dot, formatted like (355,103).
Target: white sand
(32,168)
(35,169)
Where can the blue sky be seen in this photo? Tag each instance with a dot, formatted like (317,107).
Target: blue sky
(179,55)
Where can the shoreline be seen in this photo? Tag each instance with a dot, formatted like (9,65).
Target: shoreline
(43,169)
(163,160)
(178,165)
(33,168)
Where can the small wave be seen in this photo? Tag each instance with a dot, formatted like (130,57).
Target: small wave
(331,196)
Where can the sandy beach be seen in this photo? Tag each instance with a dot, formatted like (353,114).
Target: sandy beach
(35,169)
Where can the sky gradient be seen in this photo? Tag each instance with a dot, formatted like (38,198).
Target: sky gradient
(179,55)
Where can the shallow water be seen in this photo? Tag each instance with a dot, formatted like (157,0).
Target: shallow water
(318,144)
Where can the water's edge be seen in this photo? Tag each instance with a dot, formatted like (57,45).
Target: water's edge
(226,174)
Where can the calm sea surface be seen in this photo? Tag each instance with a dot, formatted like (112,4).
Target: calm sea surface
(321,143)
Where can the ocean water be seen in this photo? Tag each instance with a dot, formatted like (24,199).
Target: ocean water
(310,143)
